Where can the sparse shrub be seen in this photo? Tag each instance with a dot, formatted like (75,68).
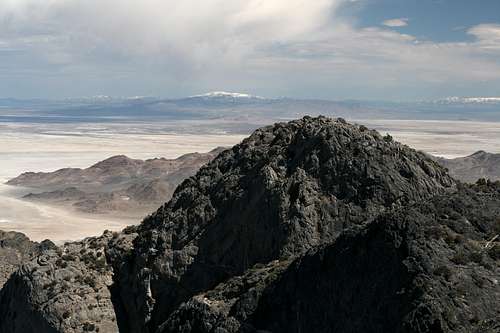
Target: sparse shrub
(481,182)
(88,258)
(460,258)
(451,238)
(129,230)
(79,278)
(93,244)
(90,281)
(435,232)
(66,315)
(476,257)
(50,286)
(496,226)
(259,266)
(88,327)
(444,271)
(100,264)
(61,263)
(494,252)
(68,257)
(388,138)
(459,239)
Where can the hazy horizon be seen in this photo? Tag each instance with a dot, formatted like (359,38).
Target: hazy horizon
(103,96)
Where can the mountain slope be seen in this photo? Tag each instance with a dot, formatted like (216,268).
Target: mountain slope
(417,269)
(282,191)
(117,185)
(471,168)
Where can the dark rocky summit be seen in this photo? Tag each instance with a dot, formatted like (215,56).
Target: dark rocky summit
(285,189)
(313,225)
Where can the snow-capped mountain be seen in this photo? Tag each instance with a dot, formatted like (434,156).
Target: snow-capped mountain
(226,95)
(470,100)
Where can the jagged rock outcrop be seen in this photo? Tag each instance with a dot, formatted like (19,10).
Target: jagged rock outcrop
(16,248)
(63,289)
(285,189)
(430,267)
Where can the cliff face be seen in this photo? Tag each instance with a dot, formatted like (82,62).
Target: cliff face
(285,189)
(430,267)
(313,225)
(16,248)
(63,289)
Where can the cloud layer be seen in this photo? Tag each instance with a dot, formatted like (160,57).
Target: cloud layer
(399,22)
(276,47)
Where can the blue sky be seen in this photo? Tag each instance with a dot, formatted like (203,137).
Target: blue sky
(334,49)
(436,20)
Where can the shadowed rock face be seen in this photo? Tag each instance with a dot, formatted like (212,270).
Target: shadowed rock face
(430,267)
(313,225)
(285,189)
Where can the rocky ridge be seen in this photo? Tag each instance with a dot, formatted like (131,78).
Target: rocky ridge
(68,289)
(310,225)
(417,269)
(16,248)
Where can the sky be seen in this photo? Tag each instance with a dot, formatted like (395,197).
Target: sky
(330,49)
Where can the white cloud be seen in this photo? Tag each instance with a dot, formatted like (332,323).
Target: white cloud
(267,47)
(398,22)
(488,35)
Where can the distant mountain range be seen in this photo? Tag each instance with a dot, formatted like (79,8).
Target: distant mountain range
(471,168)
(470,100)
(117,185)
(240,108)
